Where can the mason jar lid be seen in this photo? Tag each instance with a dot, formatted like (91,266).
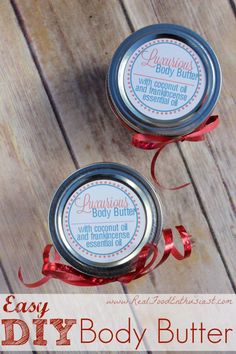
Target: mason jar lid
(101,217)
(164,79)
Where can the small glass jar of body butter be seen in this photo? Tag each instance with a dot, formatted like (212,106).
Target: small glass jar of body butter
(102,216)
(164,79)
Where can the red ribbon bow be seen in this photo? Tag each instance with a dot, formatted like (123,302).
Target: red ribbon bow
(145,263)
(150,142)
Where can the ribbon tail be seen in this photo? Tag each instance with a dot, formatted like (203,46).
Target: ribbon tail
(169,249)
(36,284)
(154,176)
(169,244)
(185,237)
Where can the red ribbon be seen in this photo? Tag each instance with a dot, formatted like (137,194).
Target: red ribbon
(150,142)
(158,142)
(145,263)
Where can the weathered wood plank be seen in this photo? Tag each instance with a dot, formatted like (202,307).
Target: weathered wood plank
(34,159)
(4,289)
(211,163)
(74,42)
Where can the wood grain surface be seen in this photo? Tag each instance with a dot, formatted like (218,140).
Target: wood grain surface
(211,164)
(54,118)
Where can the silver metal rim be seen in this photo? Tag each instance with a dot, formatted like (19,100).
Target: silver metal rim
(133,180)
(144,124)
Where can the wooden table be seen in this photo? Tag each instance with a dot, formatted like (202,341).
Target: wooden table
(54,118)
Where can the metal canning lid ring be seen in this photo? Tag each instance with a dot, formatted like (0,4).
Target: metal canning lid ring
(102,216)
(164,79)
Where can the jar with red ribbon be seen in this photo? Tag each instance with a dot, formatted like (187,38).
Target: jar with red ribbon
(106,221)
(102,216)
(163,84)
